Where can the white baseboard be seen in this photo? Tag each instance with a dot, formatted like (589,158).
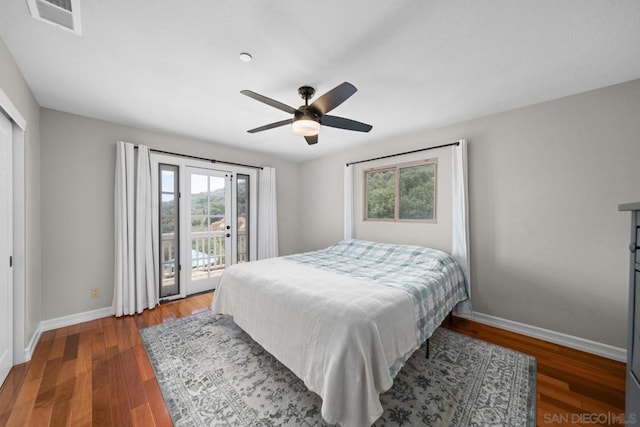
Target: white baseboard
(604,350)
(61,322)
(72,319)
(588,346)
(28,352)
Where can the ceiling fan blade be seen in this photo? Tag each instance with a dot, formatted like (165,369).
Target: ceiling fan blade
(313,139)
(269,101)
(271,126)
(334,97)
(342,123)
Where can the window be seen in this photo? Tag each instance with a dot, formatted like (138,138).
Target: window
(405,192)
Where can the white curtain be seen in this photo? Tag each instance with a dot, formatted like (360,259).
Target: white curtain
(146,295)
(460,220)
(349,232)
(267,214)
(134,267)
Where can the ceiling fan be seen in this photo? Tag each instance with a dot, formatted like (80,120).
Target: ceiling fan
(307,119)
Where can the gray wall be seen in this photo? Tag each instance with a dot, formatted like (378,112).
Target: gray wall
(548,246)
(77,203)
(15,87)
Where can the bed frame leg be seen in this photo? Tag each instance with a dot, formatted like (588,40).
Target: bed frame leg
(449,319)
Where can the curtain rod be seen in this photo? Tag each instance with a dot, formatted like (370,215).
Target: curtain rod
(202,158)
(406,152)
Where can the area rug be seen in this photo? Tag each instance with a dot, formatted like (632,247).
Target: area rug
(212,373)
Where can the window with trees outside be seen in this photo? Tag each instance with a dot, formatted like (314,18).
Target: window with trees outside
(403,192)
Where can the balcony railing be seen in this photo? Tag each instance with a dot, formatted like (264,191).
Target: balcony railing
(207,252)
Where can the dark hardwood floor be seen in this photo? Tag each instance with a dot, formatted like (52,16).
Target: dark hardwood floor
(573,387)
(97,373)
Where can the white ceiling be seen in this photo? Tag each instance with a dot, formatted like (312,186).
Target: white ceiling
(172,65)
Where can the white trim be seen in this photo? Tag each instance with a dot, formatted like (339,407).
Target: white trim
(73,319)
(28,351)
(12,111)
(588,346)
(19,244)
(61,322)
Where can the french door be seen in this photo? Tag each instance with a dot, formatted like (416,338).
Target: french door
(206,221)
(209,227)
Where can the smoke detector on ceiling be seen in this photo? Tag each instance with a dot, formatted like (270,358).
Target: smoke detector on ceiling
(61,13)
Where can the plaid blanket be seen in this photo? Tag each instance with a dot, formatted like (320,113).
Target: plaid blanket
(432,278)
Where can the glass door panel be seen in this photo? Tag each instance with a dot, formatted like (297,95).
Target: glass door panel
(209,232)
(219,226)
(169,231)
(242,213)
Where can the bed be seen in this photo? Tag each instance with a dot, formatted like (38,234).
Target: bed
(344,319)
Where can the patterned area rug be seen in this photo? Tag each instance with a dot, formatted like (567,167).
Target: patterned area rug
(212,373)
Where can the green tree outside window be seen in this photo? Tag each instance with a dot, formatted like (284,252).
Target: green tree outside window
(408,189)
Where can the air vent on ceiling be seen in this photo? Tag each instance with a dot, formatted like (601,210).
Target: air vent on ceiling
(61,13)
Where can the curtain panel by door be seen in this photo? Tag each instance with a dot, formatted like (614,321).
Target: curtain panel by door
(135,260)
(267,214)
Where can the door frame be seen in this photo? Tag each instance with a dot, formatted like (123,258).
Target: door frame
(229,214)
(183,163)
(20,351)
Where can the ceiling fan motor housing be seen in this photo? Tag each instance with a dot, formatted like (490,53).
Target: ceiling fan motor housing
(306,92)
(306,112)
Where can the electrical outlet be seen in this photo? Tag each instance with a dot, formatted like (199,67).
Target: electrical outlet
(95,293)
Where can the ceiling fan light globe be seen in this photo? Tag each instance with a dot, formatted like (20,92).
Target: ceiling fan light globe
(305,127)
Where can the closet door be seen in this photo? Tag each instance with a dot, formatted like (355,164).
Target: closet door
(6,247)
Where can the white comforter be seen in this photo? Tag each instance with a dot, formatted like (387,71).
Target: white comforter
(339,334)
